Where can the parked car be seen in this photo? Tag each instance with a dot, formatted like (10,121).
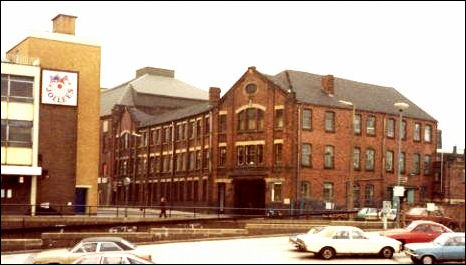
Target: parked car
(111,258)
(418,231)
(436,216)
(334,240)
(367,214)
(446,247)
(86,246)
(294,238)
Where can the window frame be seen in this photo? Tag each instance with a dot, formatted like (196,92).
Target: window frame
(309,119)
(368,150)
(329,119)
(374,128)
(332,157)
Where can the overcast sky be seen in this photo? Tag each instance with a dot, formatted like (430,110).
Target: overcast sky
(416,47)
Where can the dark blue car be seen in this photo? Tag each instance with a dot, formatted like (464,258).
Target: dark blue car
(446,247)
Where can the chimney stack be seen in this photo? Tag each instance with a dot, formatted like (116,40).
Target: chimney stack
(327,84)
(64,24)
(214,95)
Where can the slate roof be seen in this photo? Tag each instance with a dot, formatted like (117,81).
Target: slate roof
(147,84)
(176,114)
(365,96)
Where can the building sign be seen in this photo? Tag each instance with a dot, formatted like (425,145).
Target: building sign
(59,88)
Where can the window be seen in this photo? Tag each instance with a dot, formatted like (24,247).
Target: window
(357,124)
(422,194)
(152,165)
(391,128)
(17,133)
(427,165)
(260,154)
(328,192)
(251,116)
(278,154)
(159,136)
(305,189)
(179,162)
(206,158)
(192,160)
(328,157)
(206,125)
(168,134)
(356,192)
(416,164)
(306,155)
(109,246)
(369,195)
(192,129)
(222,156)
(17,88)
(204,190)
(179,132)
(417,132)
(198,129)
(370,153)
(242,121)
(307,119)
(222,123)
(276,192)
(427,133)
(198,159)
(240,153)
(389,161)
(329,121)
(250,154)
(356,158)
(279,118)
(402,163)
(403,130)
(370,125)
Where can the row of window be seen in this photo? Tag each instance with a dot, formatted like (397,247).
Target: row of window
(329,159)
(183,161)
(17,88)
(370,126)
(17,133)
(328,192)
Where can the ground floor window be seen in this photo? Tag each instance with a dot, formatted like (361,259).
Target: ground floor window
(276,192)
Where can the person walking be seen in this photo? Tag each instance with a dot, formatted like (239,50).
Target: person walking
(163,207)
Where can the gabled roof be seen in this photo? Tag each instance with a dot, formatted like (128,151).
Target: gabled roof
(134,92)
(177,114)
(365,96)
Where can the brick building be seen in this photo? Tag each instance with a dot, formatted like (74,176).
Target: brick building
(280,141)
(449,177)
(66,117)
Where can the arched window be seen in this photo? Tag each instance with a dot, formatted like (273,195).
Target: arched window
(251,119)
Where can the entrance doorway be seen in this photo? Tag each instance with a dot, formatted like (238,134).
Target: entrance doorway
(249,193)
(80,203)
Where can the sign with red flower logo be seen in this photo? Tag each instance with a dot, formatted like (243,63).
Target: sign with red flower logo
(59,88)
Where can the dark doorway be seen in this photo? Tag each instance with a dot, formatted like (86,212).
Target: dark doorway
(221,196)
(250,193)
(80,203)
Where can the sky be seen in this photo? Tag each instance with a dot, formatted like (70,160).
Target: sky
(416,47)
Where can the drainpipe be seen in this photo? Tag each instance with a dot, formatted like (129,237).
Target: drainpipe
(298,149)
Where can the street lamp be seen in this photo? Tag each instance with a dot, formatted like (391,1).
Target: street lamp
(350,204)
(126,182)
(399,190)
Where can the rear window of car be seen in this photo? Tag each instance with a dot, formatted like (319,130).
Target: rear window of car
(125,245)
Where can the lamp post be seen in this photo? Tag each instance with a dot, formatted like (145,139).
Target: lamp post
(350,204)
(400,106)
(126,182)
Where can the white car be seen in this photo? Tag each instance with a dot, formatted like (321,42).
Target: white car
(294,238)
(334,240)
(111,258)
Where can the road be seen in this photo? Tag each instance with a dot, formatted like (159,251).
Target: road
(265,250)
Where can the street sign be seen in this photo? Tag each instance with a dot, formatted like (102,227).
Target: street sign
(398,191)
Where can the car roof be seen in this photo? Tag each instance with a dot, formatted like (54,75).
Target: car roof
(100,239)
(425,221)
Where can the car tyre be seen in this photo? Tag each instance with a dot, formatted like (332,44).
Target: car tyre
(327,253)
(428,260)
(386,252)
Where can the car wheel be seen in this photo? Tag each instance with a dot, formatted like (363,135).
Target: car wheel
(428,260)
(386,252)
(327,253)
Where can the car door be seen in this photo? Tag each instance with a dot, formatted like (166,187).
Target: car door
(360,244)
(454,249)
(420,233)
(341,241)
(434,232)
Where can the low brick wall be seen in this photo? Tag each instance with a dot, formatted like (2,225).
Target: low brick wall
(60,240)
(21,244)
(189,233)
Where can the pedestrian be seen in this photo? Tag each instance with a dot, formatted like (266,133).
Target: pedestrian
(163,207)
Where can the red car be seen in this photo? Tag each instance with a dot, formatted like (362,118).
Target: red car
(435,216)
(418,231)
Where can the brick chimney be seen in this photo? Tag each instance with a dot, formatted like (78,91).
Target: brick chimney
(214,95)
(63,24)
(327,84)
(155,71)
